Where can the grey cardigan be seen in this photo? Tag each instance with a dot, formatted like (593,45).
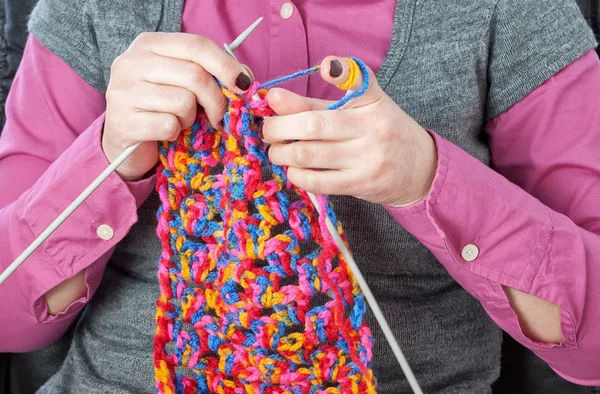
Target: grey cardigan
(452,65)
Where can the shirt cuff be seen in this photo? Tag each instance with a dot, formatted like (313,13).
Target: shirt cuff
(86,239)
(488,232)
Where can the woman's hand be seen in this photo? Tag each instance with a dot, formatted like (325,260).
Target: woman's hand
(370,148)
(155,88)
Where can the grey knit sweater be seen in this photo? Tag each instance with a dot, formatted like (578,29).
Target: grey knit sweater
(452,65)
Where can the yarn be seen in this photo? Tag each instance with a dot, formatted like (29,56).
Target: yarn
(352,76)
(254,295)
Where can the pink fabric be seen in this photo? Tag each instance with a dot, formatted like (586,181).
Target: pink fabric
(543,243)
(49,153)
(540,234)
(316,29)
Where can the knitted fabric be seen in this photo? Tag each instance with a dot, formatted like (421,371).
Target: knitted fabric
(254,295)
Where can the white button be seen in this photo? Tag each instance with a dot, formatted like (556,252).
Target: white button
(105,232)
(287,9)
(470,252)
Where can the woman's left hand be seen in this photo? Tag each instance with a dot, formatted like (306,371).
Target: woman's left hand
(370,149)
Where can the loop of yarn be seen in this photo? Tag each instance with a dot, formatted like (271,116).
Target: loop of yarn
(254,295)
(353,73)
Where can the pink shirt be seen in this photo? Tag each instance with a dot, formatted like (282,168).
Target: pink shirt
(536,219)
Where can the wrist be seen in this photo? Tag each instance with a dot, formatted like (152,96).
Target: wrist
(424,170)
(127,171)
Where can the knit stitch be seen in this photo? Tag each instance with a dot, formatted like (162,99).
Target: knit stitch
(255,296)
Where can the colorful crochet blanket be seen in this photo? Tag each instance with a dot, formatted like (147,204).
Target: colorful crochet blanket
(254,295)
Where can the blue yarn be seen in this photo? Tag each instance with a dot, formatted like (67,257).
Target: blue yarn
(358,93)
(363,68)
(295,75)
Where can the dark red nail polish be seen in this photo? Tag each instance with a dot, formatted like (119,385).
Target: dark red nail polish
(335,69)
(243,82)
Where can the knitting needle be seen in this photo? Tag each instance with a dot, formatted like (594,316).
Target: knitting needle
(241,38)
(387,331)
(238,41)
(99,180)
(383,324)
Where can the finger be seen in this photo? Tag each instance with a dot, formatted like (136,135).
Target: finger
(334,182)
(346,75)
(284,102)
(190,76)
(311,125)
(155,126)
(201,51)
(167,99)
(249,71)
(314,154)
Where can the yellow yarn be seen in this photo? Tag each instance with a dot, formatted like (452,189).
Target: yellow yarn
(353,74)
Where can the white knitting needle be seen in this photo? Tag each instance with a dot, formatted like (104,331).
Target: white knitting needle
(241,38)
(98,181)
(238,41)
(387,331)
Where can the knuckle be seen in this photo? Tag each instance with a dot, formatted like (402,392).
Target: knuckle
(118,103)
(112,96)
(142,40)
(196,74)
(316,125)
(122,63)
(143,37)
(381,131)
(311,182)
(303,155)
(117,130)
(168,127)
(117,64)
(191,103)
(379,165)
(186,102)
(266,129)
(202,45)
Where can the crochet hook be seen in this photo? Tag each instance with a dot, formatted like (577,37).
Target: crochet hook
(100,179)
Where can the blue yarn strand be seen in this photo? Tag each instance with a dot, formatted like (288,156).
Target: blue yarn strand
(358,93)
(279,81)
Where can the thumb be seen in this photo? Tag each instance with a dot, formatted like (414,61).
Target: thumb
(284,102)
(348,74)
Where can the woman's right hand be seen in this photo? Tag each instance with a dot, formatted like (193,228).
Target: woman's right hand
(153,93)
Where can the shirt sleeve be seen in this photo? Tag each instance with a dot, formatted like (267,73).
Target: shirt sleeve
(50,151)
(533,225)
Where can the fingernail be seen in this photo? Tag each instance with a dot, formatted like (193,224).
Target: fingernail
(243,82)
(335,69)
